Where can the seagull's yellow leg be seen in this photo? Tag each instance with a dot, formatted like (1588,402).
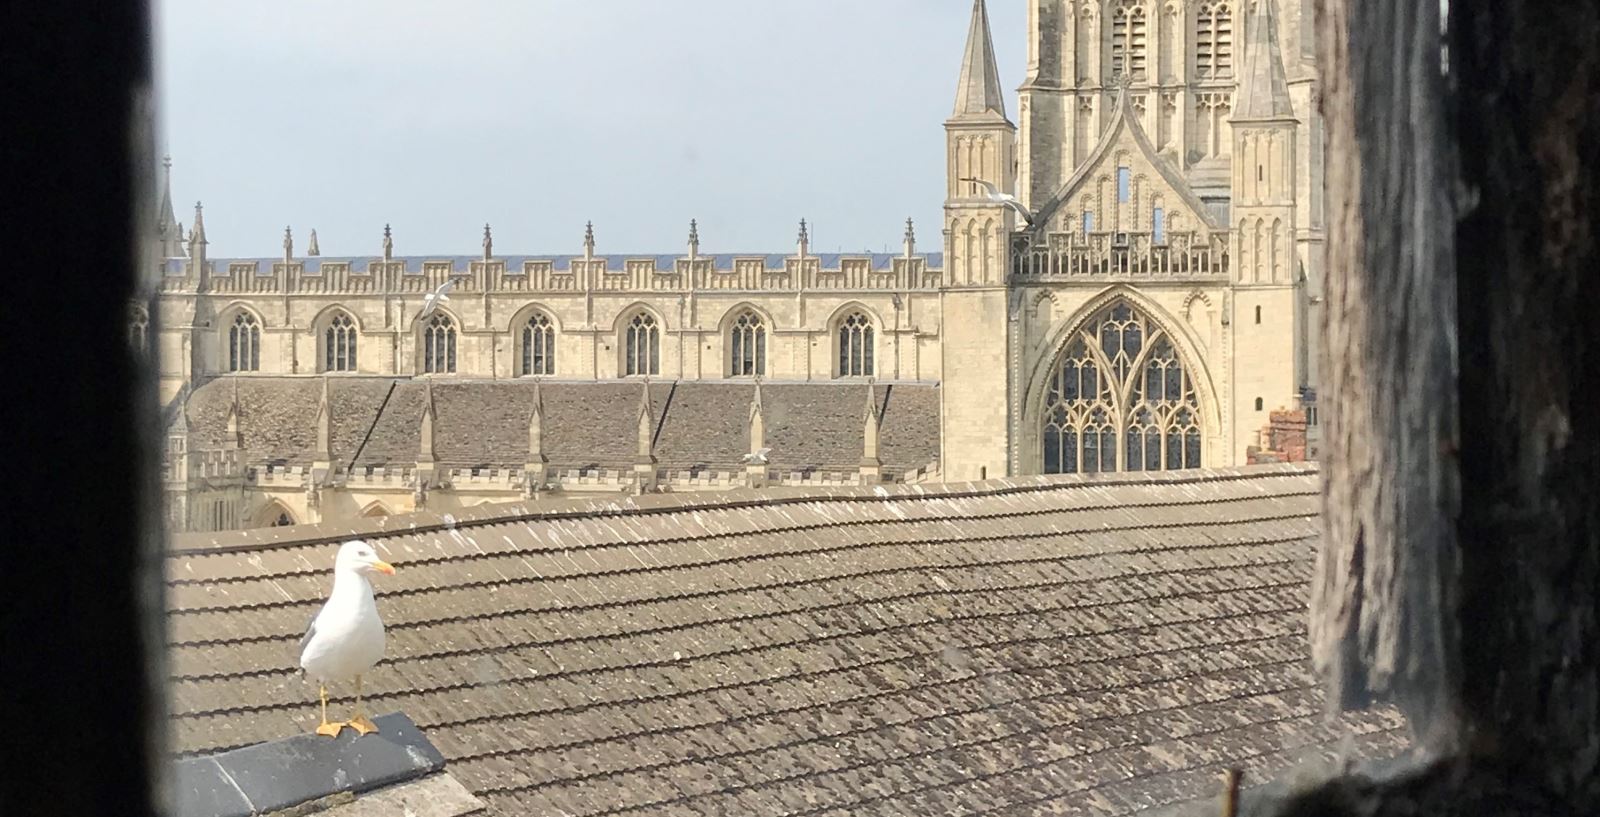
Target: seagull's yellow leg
(358,719)
(329,729)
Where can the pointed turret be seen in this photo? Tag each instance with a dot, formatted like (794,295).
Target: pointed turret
(910,239)
(1263,85)
(588,240)
(644,466)
(871,466)
(233,437)
(311,245)
(535,470)
(694,239)
(978,93)
(755,469)
(488,243)
(324,426)
(803,241)
(388,244)
(169,233)
(425,449)
(197,241)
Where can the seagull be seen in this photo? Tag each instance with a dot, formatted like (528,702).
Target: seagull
(436,297)
(1003,198)
(757,458)
(346,637)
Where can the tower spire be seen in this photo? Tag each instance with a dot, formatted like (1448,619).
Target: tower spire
(311,246)
(1263,84)
(978,92)
(168,230)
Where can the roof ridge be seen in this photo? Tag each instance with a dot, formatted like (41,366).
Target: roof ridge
(655,504)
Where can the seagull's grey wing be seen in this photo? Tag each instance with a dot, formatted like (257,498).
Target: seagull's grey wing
(311,632)
(1022,211)
(988,187)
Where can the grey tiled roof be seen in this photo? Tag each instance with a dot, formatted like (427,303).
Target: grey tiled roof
(377,421)
(1065,645)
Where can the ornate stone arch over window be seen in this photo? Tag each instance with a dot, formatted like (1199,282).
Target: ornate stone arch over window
(244,342)
(747,345)
(856,344)
(536,344)
(274,515)
(338,338)
(1119,398)
(438,344)
(641,344)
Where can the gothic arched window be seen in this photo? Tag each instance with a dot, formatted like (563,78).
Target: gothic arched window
(538,345)
(1120,398)
(855,346)
(339,344)
(641,346)
(439,345)
(244,344)
(747,345)
(1213,40)
(1128,39)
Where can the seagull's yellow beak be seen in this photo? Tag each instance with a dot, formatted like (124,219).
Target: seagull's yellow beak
(383,567)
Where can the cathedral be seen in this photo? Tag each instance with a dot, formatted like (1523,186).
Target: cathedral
(1128,275)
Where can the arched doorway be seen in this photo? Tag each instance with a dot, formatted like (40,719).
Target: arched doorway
(1120,398)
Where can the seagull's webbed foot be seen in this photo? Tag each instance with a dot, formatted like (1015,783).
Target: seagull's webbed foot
(331,728)
(363,725)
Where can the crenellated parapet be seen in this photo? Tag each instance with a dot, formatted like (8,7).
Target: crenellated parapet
(1058,256)
(586,272)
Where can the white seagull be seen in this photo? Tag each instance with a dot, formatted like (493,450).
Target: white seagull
(1003,198)
(436,297)
(346,637)
(757,458)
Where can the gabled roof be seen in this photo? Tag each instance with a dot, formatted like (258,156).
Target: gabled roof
(1076,645)
(1263,87)
(1122,118)
(978,92)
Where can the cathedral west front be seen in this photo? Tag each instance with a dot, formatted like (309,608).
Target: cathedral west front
(1140,300)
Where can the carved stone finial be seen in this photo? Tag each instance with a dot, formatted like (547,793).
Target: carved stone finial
(288,244)
(311,248)
(911,239)
(694,238)
(388,243)
(488,242)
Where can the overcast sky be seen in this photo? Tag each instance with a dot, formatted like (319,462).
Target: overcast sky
(537,115)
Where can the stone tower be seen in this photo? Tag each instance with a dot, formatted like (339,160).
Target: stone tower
(1265,305)
(980,146)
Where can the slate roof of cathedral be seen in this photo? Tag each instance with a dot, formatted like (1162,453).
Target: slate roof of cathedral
(376,421)
(1073,645)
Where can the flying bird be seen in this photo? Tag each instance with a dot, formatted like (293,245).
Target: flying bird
(345,639)
(1003,198)
(436,297)
(759,457)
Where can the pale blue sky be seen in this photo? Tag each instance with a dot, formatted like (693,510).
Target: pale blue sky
(537,115)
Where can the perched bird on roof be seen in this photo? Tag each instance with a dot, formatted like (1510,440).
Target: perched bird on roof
(345,639)
(757,457)
(1006,199)
(436,297)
